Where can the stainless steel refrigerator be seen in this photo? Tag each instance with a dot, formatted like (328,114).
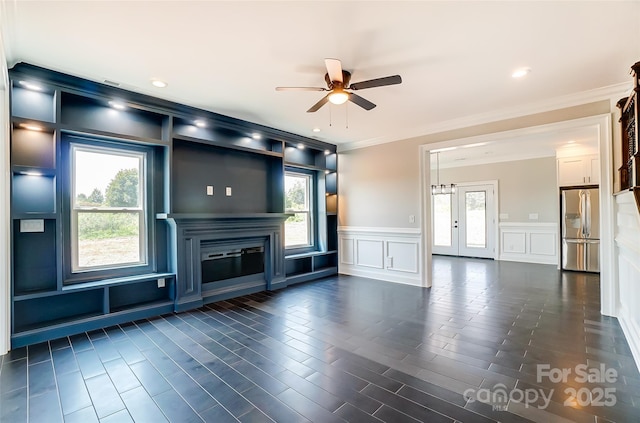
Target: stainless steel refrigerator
(580,229)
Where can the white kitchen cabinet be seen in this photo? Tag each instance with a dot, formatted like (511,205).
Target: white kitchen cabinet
(578,170)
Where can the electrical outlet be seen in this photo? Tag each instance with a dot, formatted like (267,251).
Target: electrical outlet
(412,218)
(32,225)
(161,283)
(228,191)
(504,216)
(209,189)
(533,216)
(389,262)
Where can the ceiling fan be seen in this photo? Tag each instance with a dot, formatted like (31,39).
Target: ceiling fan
(338,81)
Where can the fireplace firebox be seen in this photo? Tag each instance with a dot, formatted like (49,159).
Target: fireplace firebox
(221,263)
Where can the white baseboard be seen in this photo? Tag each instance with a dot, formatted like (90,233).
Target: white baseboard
(383,276)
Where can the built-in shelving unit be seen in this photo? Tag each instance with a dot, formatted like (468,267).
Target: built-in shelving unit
(324,260)
(629,108)
(630,113)
(206,168)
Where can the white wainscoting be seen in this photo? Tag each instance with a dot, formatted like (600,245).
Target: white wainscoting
(529,242)
(390,254)
(628,266)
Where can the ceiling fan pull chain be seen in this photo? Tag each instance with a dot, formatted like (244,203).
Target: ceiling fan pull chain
(330,108)
(346,110)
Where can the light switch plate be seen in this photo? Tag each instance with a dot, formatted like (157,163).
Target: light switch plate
(32,225)
(161,283)
(504,216)
(209,189)
(533,216)
(228,191)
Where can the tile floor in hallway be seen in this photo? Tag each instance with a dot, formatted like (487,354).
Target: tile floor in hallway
(346,349)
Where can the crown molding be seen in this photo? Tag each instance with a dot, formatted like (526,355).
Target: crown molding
(609,92)
(8,12)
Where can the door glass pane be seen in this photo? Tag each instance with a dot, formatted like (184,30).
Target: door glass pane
(442,220)
(475,208)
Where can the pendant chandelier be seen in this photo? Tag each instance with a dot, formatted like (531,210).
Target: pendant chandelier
(441,188)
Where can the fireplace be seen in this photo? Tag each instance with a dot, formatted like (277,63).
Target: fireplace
(224,256)
(222,261)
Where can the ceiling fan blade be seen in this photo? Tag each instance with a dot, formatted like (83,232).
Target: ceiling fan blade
(300,89)
(378,82)
(334,69)
(364,103)
(319,104)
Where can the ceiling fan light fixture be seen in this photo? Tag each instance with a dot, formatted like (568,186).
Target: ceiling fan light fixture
(338,97)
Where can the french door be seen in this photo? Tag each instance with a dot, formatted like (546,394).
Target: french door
(463,223)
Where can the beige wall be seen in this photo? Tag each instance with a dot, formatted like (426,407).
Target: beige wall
(524,186)
(380,185)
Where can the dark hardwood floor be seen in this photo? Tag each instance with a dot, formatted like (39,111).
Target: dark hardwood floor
(347,348)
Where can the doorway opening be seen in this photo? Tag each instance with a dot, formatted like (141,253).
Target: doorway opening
(464,222)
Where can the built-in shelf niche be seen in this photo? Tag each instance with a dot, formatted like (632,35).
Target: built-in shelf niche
(332,231)
(39,312)
(33,194)
(331,204)
(33,149)
(87,113)
(256,182)
(308,157)
(325,261)
(32,104)
(140,294)
(213,134)
(331,181)
(299,266)
(34,258)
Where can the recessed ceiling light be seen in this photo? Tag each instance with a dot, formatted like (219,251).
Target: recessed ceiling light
(158,83)
(31,85)
(256,136)
(301,146)
(200,123)
(117,105)
(521,73)
(571,142)
(316,129)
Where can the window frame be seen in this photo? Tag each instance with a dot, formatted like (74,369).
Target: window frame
(312,227)
(72,272)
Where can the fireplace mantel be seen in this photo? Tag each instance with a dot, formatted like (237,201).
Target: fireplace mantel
(190,230)
(223,216)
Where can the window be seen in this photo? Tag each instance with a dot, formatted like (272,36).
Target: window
(298,229)
(108,207)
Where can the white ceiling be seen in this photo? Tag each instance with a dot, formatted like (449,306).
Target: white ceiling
(455,58)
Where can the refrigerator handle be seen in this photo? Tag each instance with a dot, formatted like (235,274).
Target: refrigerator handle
(587,202)
(583,215)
